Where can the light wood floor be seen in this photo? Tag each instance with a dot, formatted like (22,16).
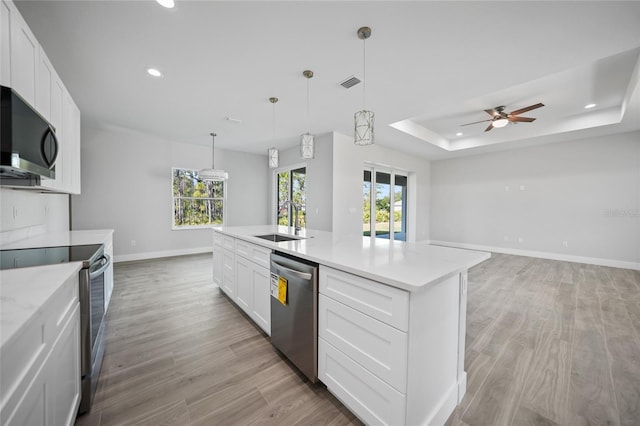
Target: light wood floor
(179,353)
(548,343)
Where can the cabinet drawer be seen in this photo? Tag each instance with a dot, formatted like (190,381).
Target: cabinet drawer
(374,401)
(217,239)
(228,242)
(254,253)
(387,304)
(376,346)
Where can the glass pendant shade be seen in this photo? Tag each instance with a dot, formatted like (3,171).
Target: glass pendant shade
(501,122)
(306,145)
(363,134)
(273,158)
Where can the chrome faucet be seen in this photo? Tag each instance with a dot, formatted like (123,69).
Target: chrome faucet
(296,209)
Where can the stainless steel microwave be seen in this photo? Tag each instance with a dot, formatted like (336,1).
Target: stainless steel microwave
(28,140)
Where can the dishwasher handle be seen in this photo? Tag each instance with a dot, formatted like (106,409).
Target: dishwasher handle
(304,275)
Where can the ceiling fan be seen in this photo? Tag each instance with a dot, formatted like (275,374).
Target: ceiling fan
(499,118)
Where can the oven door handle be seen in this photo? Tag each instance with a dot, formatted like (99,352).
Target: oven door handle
(106,262)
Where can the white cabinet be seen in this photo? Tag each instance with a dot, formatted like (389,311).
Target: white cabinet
(241,270)
(5,44)
(24,56)
(41,368)
(25,67)
(391,356)
(217,259)
(108,274)
(252,282)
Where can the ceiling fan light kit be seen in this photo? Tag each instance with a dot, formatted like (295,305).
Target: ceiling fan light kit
(501,118)
(364,120)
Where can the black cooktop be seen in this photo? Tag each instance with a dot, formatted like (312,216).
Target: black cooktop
(22,258)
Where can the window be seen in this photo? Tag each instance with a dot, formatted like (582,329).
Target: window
(291,186)
(384,205)
(196,203)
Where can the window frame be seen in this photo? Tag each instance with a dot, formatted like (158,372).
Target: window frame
(174,227)
(274,193)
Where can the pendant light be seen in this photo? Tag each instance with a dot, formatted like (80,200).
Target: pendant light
(363,120)
(212,175)
(273,152)
(307,139)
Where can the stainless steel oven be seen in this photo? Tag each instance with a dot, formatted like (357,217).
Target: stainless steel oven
(92,328)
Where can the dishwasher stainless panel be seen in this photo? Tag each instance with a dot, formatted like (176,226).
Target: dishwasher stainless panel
(294,325)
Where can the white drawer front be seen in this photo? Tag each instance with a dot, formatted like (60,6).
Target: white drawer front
(228,242)
(254,253)
(378,347)
(217,238)
(375,402)
(387,304)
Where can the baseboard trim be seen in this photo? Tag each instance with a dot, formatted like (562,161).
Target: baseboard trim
(159,254)
(543,255)
(445,407)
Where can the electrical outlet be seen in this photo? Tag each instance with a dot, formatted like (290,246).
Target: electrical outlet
(521,187)
(506,238)
(506,188)
(565,244)
(133,243)
(520,240)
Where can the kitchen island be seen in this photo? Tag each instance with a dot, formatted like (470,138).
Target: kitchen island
(391,316)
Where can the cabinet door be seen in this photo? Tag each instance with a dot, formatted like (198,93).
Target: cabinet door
(49,103)
(24,58)
(244,284)
(228,273)
(64,374)
(217,265)
(5,44)
(261,312)
(71,145)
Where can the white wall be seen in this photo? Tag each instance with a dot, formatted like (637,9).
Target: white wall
(318,181)
(348,167)
(584,192)
(126,186)
(24,213)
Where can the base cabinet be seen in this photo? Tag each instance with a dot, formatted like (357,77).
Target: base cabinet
(392,357)
(41,369)
(241,270)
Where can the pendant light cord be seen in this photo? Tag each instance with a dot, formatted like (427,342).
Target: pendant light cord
(213,147)
(364,74)
(308,120)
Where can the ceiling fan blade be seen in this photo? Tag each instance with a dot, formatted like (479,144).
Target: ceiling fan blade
(521,119)
(476,122)
(492,112)
(489,128)
(525,109)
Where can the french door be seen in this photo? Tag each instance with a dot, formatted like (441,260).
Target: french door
(384,204)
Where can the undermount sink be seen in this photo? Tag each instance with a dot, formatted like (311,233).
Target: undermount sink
(276,238)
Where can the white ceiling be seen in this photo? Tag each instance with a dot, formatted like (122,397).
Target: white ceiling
(431,66)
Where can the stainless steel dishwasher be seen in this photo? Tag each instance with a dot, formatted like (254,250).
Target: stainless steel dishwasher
(294,311)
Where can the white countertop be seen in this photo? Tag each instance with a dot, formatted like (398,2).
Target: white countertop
(24,291)
(61,238)
(409,266)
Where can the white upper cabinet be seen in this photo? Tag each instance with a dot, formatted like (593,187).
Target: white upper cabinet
(26,68)
(24,57)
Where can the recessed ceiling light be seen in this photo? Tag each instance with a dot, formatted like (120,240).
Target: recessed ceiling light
(169,4)
(459,134)
(588,106)
(154,72)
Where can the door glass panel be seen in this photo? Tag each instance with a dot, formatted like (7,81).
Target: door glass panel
(298,194)
(283,195)
(383,196)
(366,204)
(400,208)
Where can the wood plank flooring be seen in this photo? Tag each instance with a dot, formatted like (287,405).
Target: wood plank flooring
(551,343)
(179,353)
(548,343)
